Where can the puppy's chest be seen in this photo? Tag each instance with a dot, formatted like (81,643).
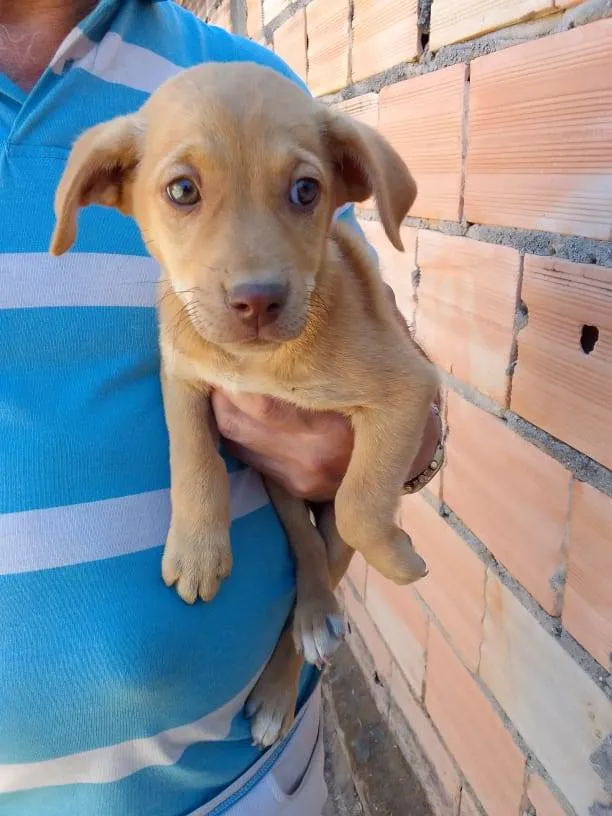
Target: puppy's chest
(305,385)
(237,381)
(246,377)
(301,386)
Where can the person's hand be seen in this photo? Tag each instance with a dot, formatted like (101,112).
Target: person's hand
(307,452)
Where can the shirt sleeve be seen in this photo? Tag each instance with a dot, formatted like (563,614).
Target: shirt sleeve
(347,215)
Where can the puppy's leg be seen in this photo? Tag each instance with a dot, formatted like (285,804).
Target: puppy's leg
(387,439)
(318,625)
(271,704)
(197,556)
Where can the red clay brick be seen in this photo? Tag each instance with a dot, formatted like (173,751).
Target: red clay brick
(396,267)
(290,43)
(561,713)
(509,493)
(422,118)
(538,154)
(403,623)
(456,20)
(364,108)
(254,17)
(327,23)
(473,731)
(421,726)
(556,385)
(384,34)
(360,618)
(542,798)
(454,588)
(466,306)
(587,610)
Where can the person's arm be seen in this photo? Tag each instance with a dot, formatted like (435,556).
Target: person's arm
(306,452)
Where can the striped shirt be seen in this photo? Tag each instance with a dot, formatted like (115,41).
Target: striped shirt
(116,699)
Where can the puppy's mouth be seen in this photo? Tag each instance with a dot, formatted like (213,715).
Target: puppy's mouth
(227,331)
(273,334)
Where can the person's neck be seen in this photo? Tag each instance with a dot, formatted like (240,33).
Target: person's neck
(32,31)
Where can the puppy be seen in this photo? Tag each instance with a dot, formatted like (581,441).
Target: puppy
(233,176)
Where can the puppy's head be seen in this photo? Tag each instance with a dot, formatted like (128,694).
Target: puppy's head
(233,176)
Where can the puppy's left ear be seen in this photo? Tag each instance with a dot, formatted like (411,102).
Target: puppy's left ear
(365,165)
(100,170)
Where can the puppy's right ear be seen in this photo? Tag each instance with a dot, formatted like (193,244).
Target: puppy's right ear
(100,170)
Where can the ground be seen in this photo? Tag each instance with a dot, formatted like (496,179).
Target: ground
(367,774)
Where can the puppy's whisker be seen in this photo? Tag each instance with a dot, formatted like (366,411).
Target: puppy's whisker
(170,290)
(185,318)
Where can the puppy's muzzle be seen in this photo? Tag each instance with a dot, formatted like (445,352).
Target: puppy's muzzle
(257,304)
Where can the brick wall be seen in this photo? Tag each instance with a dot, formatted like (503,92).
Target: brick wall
(493,672)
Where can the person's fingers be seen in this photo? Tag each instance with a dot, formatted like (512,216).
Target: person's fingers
(296,477)
(238,426)
(258,461)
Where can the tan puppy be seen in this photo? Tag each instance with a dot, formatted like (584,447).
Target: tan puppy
(233,176)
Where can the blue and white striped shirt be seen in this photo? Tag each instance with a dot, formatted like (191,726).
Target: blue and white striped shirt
(116,699)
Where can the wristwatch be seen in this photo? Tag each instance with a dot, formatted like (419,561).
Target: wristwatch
(437,460)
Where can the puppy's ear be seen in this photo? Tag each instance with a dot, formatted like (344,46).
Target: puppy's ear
(365,165)
(100,170)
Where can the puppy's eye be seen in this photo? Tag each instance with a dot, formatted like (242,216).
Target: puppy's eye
(304,192)
(183,191)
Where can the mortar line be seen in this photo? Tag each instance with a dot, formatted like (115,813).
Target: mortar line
(465,122)
(574,248)
(351,39)
(561,573)
(425,660)
(519,324)
(524,805)
(482,620)
(307,45)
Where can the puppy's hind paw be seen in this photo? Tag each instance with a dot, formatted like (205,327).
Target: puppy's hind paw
(271,710)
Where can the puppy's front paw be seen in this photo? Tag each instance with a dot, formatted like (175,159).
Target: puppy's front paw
(318,627)
(196,563)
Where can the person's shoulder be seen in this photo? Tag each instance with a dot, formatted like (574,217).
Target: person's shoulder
(189,41)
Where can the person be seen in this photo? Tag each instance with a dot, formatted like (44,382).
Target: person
(116,698)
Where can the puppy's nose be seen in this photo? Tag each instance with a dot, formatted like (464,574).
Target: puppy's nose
(259,303)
